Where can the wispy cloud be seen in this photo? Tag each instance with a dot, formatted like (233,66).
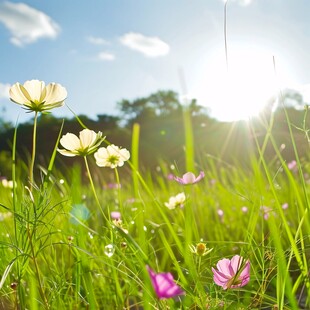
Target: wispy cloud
(97,41)
(241,2)
(148,46)
(4,91)
(26,24)
(106,56)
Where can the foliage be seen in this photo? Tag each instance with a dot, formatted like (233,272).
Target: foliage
(62,247)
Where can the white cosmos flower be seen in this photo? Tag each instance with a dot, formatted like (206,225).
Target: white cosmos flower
(87,143)
(176,201)
(35,96)
(111,156)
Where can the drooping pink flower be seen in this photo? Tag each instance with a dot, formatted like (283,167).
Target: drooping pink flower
(164,285)
(232,273)
(190,178)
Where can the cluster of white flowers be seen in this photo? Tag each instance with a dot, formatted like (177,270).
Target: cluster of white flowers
(7,183)
(35,96)
(87,143)
(4,216)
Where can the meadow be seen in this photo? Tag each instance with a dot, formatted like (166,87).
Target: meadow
(109,235)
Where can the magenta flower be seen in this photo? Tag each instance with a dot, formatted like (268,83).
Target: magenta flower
(232,273)
(164,285)
(190,178)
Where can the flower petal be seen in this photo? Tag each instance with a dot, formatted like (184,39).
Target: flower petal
(235,264)
(189,178)
(34,89)
(200,176)
(219,280)
(66,153)
(223,266)
(124,153)
(55,94)
(164,285)
(17,95)
(70,142)
(87,138)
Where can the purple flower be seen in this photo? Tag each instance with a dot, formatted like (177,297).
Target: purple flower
(164,285)
(190,178)
(232,273)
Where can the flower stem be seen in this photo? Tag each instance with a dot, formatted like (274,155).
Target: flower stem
(119,190)
(37,268)
(33,155)
(92,185)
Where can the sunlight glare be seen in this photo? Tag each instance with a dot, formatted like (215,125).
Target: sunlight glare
(241,90)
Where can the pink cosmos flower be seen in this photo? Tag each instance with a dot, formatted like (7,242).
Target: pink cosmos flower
(232,273)
(190,178)
(164,285)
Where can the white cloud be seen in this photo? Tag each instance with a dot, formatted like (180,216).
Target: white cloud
(26,24)
(4,91)
(241,2)
(106,56)
(97,41)
(148,46)
(245,2)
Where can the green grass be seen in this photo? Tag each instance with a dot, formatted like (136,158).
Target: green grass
(52,257)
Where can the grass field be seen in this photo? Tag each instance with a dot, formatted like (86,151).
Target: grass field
(82,237)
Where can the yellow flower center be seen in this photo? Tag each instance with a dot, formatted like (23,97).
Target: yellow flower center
(113,159)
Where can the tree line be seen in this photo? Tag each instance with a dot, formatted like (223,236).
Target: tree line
(160,116)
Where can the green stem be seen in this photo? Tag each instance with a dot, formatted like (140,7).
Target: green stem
(118,190)
(92,186)
(33,155)
(199,265)
(37,269)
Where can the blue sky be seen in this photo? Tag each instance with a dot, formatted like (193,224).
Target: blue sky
(104,51)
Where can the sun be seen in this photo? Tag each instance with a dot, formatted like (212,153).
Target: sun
(240,88)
